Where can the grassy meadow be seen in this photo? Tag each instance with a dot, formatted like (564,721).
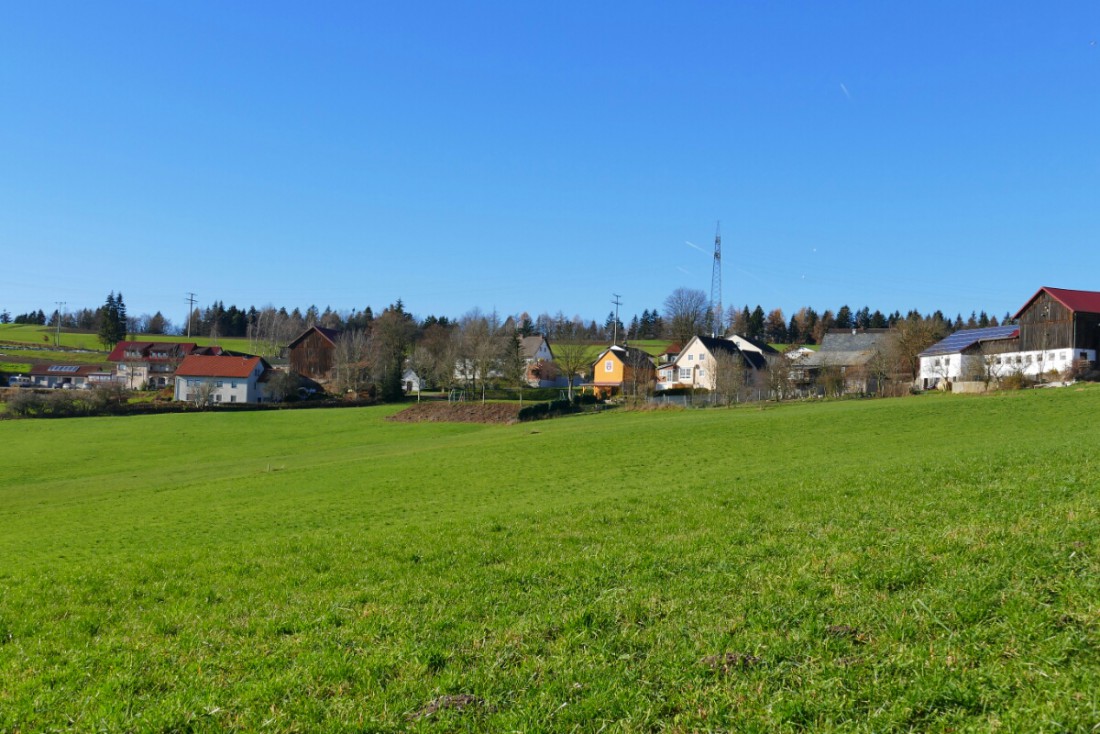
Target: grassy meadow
(45,336)
(919,564)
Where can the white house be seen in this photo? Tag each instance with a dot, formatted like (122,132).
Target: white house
(969,354)
(69,375)
(221,379)
(696,364)
(410,381)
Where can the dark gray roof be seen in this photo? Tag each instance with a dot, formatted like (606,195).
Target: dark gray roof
(755,360)
(852,340)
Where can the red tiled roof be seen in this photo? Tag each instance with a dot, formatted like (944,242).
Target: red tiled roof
(201,365)
(1076,301)
(118,354)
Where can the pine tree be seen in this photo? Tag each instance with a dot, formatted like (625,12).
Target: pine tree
(756,323)
(844,317)
(112,322)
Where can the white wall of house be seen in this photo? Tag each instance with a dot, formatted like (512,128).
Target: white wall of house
(953,367)
(694,367)
(223,389)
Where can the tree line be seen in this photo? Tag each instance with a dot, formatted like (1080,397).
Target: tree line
(685,313)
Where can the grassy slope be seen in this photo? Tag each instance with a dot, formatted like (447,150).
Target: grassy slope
(42,336)
(911,564)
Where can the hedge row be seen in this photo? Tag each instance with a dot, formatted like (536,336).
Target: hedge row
(556,408)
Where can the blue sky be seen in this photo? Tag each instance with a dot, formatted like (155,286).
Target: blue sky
(538,157)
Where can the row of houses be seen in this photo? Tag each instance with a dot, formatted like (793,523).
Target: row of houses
(196,374)
(1056,330)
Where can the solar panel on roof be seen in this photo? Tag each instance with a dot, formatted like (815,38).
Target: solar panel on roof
(960,340)
(62,368)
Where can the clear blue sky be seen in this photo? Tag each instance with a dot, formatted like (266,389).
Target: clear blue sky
(542,156)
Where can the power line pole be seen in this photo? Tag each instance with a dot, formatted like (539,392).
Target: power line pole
(716,285)
(60,310)
(615,327)
(190,310)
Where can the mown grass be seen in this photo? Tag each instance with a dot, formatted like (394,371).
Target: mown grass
(45,336)
(924,564)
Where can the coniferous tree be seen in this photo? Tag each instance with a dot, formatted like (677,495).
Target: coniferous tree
(756,323)
(844,317)
(112,323)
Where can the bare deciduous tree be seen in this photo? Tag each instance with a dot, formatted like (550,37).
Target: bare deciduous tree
(909,338)
(686,312)
(572,359)
(779,377)
(352,362)
(728,377)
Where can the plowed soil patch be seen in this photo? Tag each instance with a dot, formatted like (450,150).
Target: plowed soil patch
(458,413)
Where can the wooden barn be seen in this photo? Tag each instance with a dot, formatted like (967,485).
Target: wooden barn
(1058,318)
(312,353)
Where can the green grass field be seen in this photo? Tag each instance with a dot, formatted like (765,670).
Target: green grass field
(44,336)
(919,564)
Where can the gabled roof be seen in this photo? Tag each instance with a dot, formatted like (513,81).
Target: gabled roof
(1076,301)
(627,355)
(760,346)
(330,335)
(203,365)
(714,345)
(529,345)
(672,349)
(966,338)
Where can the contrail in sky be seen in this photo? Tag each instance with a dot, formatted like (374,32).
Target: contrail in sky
(845,90)
(683,270)
(692,244)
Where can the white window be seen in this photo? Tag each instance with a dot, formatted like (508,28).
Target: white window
(609,366)
(233,385)
(702,372)
(220,383)
(218,398)
(232,398)
(691,358)
(701,356)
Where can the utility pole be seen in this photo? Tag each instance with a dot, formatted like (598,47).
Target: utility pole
(190,310)
(615,327)
(60,310)
(716,285)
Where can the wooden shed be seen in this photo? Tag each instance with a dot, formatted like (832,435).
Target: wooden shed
(312,353)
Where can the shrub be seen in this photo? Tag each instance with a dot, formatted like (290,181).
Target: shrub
(25,403)
(1016,381)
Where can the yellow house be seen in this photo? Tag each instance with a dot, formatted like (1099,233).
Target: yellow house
(623,369)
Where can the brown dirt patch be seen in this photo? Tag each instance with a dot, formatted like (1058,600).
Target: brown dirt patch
(459,413)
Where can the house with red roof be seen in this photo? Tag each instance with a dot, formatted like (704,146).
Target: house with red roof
(152,365)
(213,379)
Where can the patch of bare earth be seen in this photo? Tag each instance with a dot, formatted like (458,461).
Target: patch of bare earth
(459,413)
(455,702)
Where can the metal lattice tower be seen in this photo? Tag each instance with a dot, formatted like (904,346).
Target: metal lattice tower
(716,285)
